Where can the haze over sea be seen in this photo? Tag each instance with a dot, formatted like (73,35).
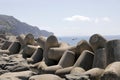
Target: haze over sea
(73,40)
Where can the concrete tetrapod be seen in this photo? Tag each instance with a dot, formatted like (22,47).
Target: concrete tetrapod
(56,53)
(84,61)
(29,39)
(11,38)
(36,57)
(99,58)
(75,74)
(13,48)
(77,70)
(2,41)
(28,50)
(21,38)
(80,47)
(45,77)
(41,41)
(81,74)
(3,36)
(6,45)
(97,41)
(94,73)
(67,60)
(23,75)
(50,42)
(112,72)
(28,46)
(112,51)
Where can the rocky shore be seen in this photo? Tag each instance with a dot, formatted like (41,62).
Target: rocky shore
(24,57)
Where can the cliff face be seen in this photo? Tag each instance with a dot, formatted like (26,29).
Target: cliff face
(13,26)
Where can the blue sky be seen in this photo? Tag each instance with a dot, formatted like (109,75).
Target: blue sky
(67,17)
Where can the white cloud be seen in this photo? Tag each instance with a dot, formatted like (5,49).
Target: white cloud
(106,19)
(85,18)
(77,18)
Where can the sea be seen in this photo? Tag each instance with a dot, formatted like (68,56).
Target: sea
(73,40)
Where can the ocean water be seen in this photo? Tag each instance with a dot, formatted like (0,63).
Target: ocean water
(73,40)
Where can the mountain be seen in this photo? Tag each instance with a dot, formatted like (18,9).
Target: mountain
(9,24)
